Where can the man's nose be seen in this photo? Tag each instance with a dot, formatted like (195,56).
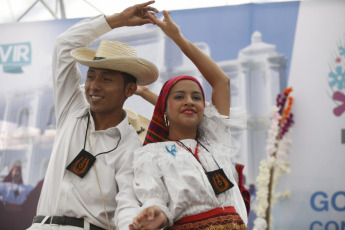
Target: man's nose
(95,84)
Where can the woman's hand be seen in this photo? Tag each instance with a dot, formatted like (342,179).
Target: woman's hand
(147,94)
(167,25)
(150,218)
(141,90)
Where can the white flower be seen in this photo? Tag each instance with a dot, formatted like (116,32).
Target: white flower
(277,163)
(283,195)
(260,224)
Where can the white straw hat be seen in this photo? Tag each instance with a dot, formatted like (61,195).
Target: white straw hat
(139,123)
(118,56)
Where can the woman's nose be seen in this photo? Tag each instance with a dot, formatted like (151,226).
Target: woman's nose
(189,101)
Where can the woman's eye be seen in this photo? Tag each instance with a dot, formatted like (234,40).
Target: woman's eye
(90,77)
(107,79)
(197,97)
(178,96)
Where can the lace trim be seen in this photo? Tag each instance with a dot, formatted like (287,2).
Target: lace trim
(237,118)
(215,129)
(155,159)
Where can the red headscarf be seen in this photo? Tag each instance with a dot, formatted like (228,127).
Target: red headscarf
(158,131)
(9,177)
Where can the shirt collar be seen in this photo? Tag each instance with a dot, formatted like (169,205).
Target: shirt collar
(122,128)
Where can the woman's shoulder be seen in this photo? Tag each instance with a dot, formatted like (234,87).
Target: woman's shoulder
(155,157)
(4,184)
(151,148)
(217,129)
(235,112)
(237,117)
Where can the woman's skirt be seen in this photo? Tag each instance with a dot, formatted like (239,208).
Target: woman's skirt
(218,218)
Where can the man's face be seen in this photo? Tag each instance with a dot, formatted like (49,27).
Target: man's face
(105,91)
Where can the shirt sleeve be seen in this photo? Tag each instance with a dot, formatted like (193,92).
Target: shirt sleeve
(148,182)
(66,74)
(127,204)
(217,129)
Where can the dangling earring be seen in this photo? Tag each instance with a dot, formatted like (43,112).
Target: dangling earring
(166,120)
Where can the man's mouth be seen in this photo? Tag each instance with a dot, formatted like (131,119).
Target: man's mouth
(95,98)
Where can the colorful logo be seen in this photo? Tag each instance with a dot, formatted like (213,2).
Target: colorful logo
(14,56)
(336,77)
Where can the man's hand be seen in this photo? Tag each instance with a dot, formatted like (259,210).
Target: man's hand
(150,218)
(132,16)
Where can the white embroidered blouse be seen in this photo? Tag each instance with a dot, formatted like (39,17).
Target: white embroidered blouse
(176,182)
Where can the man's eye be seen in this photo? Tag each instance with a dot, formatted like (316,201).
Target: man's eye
(106,79)
(90,77)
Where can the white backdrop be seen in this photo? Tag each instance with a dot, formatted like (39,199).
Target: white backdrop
(317,156)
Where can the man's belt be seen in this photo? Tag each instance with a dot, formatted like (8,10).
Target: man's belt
(65,220)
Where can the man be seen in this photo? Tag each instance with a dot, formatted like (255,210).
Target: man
(88,184)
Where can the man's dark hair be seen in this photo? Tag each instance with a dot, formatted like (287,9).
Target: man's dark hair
(128,78)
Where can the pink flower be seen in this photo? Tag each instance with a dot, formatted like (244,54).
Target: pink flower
(339,110)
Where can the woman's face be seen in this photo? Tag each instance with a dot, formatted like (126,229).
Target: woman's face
(16,174)
(185,105)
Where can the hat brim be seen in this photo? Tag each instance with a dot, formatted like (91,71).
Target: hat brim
(141,122)
(144,123)
(144,71)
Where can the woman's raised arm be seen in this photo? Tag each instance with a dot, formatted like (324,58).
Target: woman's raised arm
(215,76)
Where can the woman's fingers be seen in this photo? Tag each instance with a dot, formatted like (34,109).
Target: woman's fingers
(154,18)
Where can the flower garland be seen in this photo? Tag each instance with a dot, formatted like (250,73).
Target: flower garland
(276,164)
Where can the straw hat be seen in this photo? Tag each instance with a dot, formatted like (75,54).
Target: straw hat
(118,56)
(139,123)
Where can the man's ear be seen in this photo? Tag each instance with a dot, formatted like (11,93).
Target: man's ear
(130,89)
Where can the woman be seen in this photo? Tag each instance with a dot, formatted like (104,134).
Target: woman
(14,193)
(13,190)
(184,175)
